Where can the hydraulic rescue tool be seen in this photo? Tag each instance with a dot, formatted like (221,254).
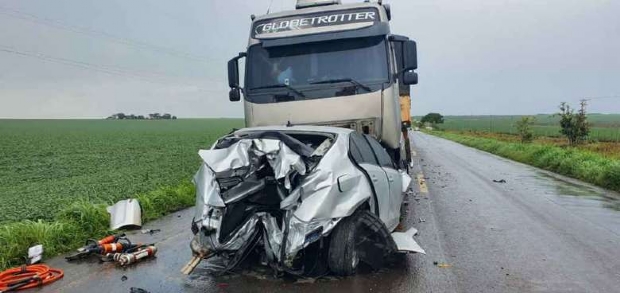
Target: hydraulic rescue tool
(25,277)
(136,255)
(109,244)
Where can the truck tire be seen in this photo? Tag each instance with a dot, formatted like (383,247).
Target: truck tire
(361,237)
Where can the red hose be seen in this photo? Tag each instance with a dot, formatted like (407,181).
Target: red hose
(32,275)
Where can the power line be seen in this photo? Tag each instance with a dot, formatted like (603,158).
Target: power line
(601,98)
(99,34)
(94,67)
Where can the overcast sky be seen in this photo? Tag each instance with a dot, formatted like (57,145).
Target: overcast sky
(83,59)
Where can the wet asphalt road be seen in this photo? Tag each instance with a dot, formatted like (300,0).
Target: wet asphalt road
(537,232)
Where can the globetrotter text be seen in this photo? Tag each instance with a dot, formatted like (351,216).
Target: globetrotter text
(315,21)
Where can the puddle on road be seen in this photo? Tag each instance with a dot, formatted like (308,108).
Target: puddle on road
(565,188)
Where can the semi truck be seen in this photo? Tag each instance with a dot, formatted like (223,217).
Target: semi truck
(295,188)
(331,64)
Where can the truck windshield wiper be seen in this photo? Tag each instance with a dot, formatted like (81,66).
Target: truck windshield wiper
(273,86)
(353,81)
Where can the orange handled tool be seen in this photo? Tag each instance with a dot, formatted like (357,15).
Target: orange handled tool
(110,239)
(129,258)
(91,243)
(109,244)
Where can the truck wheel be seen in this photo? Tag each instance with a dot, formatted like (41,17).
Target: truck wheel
(360,237)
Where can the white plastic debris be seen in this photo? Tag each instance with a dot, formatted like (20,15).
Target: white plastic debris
(35,254)
(125,214)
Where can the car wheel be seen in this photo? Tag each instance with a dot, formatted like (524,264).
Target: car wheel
(361,237)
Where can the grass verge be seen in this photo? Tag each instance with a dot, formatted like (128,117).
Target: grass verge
(580,164)
(80,221)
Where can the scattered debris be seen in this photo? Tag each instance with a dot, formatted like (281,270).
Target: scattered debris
(124,278)
(194,261)
(137,290)
(222,285)
(442,265)
(125,214)
(35,254)
(499,181)
(150,231)
(420,220)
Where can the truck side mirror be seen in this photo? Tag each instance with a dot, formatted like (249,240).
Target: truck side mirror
(233,78)
(234,95)
(410,54)
(410,77)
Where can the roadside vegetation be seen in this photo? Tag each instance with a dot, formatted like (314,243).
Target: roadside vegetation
(597,163)
(57,176)
(603,127)
(578,163)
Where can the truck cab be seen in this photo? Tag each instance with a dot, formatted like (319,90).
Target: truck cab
(327,63)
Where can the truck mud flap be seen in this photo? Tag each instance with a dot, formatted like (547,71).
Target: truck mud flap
(405,243)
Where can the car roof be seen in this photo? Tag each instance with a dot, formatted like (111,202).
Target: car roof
(304,128)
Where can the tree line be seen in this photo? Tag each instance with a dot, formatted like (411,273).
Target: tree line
(574,125)
(152,116)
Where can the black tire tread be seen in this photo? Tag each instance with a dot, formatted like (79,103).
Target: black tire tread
(341,248)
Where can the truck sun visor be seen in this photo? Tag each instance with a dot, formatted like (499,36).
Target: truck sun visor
(314,20)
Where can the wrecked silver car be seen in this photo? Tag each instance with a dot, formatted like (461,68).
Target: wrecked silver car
(298,195)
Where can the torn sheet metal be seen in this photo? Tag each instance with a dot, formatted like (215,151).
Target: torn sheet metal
(317,201)
(277,192)
(281,158)
(406,180)
(405,243)
(125,214)
(231,158)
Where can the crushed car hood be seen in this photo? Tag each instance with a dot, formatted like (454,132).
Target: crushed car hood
(272,189)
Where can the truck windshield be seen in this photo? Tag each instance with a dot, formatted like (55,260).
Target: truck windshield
(321,64)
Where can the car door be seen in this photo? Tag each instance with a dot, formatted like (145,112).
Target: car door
(395,181)
(364,157)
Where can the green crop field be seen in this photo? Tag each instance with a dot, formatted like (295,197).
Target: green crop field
(46,165)
(604,127)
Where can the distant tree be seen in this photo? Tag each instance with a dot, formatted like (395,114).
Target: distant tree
(573,125)
(432,118)
(174,117)
(166,116)
(134,116)
(524,128)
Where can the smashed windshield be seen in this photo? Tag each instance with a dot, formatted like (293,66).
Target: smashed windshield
(363,60)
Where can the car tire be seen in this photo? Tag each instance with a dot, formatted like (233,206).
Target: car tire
(347,249)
